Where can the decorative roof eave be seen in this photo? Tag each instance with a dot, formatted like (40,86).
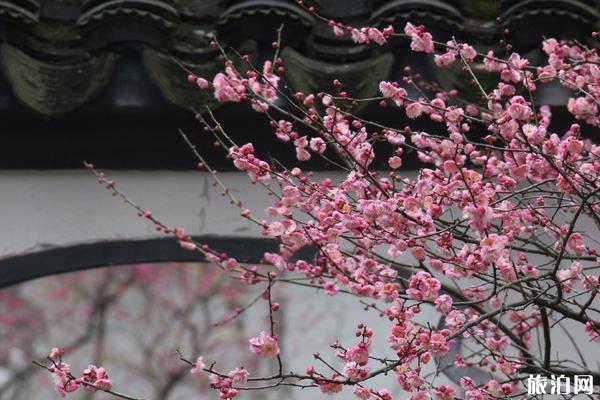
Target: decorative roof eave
(57,56)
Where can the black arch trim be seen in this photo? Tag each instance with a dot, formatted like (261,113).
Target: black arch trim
(23,267)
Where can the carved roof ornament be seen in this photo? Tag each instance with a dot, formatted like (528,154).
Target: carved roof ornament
(51,88)
(59,55)
(309,75)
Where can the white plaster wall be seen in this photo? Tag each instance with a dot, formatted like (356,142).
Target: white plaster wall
(57,208)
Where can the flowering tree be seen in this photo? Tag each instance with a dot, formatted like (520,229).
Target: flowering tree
(495,233)
(147,309)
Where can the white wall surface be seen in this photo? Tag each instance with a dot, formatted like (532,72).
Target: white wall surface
(43,209)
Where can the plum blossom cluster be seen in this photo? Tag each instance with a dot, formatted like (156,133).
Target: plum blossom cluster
(224,383)
(492,233)
(92,378)
(230,86)
(576,68)
(265,345)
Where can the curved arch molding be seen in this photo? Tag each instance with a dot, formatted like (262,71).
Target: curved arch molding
(23,267)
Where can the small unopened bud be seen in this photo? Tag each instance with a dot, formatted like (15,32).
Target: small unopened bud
(55,353)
